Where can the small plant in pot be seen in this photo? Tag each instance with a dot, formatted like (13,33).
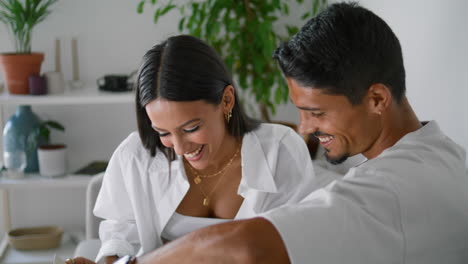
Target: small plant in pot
(20,17)
(52,157)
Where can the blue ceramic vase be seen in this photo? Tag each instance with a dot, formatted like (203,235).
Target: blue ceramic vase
(16,132)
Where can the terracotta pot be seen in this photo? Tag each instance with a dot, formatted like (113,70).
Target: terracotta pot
(17,68)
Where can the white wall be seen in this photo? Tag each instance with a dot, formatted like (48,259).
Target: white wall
(112,38)
(434,40)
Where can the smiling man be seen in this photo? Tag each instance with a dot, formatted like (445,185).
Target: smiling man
(406,204)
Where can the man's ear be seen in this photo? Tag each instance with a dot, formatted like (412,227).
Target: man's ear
(228,99)
(379,98)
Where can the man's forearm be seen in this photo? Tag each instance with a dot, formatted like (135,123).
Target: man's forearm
(110,259)
(246,241)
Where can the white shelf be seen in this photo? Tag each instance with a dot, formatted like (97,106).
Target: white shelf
(35,181)
(85,95)
(14,256)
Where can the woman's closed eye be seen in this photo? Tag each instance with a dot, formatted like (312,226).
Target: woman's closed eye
(186,130)
(162,134)
(192,129)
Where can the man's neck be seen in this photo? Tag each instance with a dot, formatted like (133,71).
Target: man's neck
(398,121)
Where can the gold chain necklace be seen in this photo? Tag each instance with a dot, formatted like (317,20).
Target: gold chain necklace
(198,178)
(206,198)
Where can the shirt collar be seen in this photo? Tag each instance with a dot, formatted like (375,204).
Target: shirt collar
(258,164)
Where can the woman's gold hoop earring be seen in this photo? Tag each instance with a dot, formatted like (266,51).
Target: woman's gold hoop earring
(228,116)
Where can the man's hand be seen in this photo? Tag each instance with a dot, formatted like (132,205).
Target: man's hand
(81,260)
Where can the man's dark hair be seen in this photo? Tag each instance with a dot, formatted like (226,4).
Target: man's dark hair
(344,50)
(184,68)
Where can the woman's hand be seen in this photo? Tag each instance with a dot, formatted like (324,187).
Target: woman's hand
(79,260)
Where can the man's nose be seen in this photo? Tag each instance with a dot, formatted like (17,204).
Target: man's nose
(307,125)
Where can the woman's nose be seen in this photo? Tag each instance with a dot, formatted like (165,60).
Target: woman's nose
(179,145)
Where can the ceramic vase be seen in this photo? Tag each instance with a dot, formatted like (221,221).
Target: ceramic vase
(15,134)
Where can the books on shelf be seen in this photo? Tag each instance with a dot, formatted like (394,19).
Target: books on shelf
(93,168)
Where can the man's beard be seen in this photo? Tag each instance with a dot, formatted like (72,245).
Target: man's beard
(338,160)
(333,161)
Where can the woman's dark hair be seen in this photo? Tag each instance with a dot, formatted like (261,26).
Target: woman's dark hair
(184,68)
(344,50)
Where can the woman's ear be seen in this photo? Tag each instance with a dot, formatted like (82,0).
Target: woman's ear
(378,98)
(228,99)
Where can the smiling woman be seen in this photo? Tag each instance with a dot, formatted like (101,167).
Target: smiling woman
(197,159)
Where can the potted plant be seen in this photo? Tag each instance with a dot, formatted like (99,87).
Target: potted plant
(52,157)
(245,33)
(20,17)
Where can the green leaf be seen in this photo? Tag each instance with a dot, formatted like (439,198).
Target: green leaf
(276,3)
(140,7)
(202,15)
(315,7)
(181,24)
(55,125)
(286,9)
(156,15)
(216,28)
(167,9)
(277,94)
(195,7)
(44,132)
(272,107)
(232,25)
(197,32)
(292,30)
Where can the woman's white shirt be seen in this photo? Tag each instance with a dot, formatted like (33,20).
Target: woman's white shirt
(140,193)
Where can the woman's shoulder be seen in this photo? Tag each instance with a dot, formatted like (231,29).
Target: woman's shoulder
(131,148)
(132,143)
